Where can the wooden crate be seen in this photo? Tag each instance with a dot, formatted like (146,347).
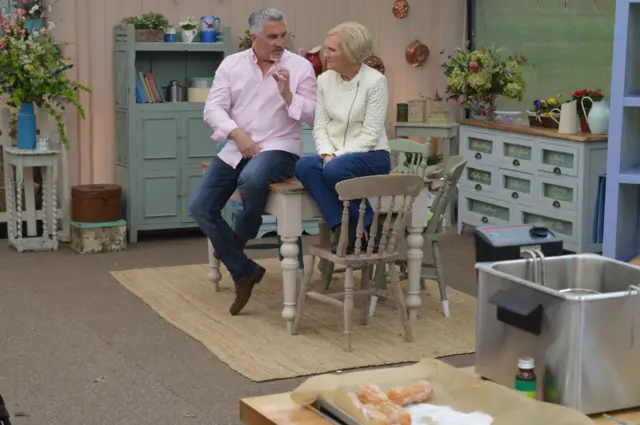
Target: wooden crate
(89,238)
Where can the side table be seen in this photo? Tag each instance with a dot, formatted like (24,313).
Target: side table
(18,164)
(449,135)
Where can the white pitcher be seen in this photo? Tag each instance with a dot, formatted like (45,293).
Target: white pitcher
(568,123)
(598,118)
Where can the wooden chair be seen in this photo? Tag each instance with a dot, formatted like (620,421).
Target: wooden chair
(452,173)
(407,157)
(403,190)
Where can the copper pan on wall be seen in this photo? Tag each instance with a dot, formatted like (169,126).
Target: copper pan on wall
(417,54)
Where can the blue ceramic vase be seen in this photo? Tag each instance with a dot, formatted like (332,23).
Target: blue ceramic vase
(26,126)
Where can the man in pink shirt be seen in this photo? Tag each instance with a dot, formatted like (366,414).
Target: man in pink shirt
(257,102)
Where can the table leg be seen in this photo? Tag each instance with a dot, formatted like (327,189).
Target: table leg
(288,211)
(19,189)
(415,241)
(30,201)
(214,267)
(10,196)
(447,151)
(53,174)
(289,251)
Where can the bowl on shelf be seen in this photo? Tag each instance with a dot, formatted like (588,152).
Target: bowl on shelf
(508,117)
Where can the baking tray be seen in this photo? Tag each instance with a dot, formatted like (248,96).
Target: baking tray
(332,413)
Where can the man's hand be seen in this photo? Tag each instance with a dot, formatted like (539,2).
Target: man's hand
(283,79)
(247,147)
(327,158)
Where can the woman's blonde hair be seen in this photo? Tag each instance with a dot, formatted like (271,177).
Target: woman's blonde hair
(355,39)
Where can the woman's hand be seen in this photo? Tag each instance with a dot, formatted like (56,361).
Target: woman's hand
(327,158)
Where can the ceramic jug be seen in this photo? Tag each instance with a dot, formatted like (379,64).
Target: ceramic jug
(313,56)
(598,118)
(209,28)
(568,123)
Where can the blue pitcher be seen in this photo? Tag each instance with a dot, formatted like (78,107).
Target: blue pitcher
(209,27)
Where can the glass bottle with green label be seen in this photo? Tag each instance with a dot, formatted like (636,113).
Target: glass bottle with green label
(526,380)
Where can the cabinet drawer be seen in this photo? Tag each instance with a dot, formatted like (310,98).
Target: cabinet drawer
(478,147)
(480,178)
(481,210)
(559,160)
(559,194)
(518,154)
(516,187)
(563,223)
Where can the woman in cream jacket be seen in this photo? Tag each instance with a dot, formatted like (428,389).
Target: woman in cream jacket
(349,127)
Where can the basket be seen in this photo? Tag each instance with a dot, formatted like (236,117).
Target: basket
(542,120)
(96,203)
(150,36)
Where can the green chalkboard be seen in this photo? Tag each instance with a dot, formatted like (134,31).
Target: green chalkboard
(566,50)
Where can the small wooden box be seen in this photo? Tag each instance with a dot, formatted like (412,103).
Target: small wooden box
(417,110)
(89,238)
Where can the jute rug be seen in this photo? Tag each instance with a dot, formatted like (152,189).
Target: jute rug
(256,343)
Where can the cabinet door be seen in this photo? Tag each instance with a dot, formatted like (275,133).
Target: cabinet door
(562,223)
(517,187)
(159,139)
(479,210)
(559,194)
(480,178)
(190,179)
(480,148)
(196,136)
(160,195)
(518,154)
(559,160)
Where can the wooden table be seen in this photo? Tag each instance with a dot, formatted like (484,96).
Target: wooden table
(291,205)
(278,409)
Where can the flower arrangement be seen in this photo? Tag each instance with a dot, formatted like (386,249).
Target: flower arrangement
(188,24)
(546,107)
(482,106)
(35,9)
(473,74)
(595,95)
(148,21)
(32,71)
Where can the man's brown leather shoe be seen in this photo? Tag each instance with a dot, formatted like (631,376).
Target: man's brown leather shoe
(244,289)
(239,240)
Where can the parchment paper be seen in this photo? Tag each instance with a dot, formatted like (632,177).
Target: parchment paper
(452,387)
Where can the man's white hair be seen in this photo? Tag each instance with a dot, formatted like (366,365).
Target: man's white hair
(257,18)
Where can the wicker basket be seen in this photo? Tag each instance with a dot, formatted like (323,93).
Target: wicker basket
(96,203)
(150,36)
(543,120)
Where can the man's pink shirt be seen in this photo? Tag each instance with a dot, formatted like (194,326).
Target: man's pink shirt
(241,97)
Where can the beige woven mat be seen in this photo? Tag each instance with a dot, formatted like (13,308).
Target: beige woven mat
(256,343)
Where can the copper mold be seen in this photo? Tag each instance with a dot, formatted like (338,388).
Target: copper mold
(401,9)
(417,54)
(376,63)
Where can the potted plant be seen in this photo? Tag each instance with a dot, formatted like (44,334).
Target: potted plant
(149,27)
(189,29)
(544,113)
(578,95)
(482,76)
(32,74)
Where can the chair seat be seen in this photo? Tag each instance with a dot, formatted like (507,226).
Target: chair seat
(325,252)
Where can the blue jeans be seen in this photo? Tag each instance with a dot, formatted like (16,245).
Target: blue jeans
(320,182)
(252,178)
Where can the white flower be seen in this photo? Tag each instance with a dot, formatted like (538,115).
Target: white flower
(49,8)
(50,25)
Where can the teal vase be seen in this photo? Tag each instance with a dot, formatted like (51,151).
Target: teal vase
(35,25)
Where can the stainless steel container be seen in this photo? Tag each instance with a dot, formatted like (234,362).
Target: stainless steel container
(586,345)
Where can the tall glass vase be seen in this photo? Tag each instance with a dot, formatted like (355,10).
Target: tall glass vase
(26,126)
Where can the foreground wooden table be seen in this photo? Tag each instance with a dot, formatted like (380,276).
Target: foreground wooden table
(278,409)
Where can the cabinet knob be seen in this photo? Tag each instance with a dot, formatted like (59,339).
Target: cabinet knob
(515,195)
(484,220)
(557,171)
(556,204)
(478,187)
(516,163)
(478,155)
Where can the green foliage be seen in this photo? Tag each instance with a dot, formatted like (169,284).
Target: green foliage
(148,21)
(32,71)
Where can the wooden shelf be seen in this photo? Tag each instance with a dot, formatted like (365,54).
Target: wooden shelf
(180,47)
(536,131)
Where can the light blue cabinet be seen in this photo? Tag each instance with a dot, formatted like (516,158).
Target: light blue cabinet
(160,145)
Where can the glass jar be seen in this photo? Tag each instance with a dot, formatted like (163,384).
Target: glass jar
(199,89)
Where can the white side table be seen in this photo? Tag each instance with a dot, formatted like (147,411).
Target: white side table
(449,135)
(18,163)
